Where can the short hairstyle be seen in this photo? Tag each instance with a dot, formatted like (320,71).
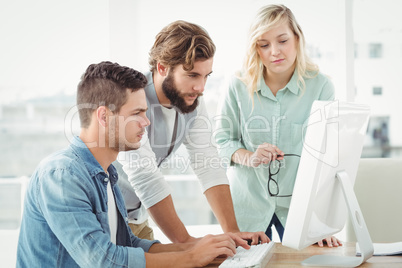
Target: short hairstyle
(267,18)
(181,42)
(106,84)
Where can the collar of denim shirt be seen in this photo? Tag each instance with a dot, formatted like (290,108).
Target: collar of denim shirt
(90,162)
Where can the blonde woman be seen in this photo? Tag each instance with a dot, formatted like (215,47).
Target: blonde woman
(261,117)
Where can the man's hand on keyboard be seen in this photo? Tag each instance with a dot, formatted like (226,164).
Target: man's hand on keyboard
(255,238)
(211,246)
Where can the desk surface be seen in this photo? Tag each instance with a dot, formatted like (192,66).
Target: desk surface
(287,257)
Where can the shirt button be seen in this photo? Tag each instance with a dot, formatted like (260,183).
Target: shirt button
(106,179)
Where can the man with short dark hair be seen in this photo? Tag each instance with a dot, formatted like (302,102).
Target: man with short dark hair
(180,62)
(74,212)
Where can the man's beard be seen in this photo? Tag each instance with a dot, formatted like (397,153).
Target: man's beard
(176,99)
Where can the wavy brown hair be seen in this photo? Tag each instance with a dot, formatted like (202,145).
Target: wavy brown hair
(181,42)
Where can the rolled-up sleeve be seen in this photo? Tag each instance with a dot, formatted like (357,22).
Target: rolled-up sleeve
(204,157)
(136,256)
(228,132)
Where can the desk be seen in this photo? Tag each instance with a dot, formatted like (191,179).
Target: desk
(287,257)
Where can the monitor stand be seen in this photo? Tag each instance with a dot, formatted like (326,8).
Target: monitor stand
(359,225)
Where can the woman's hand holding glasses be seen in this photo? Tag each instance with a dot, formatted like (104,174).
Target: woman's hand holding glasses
(264,154)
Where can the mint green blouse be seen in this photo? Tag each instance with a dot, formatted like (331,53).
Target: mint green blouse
(276,120)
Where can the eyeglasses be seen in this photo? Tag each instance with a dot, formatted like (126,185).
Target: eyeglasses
(273,169)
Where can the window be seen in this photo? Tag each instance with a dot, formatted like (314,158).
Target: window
(382,39)
(377,90)
(375,50)
(356,51)
(38,84)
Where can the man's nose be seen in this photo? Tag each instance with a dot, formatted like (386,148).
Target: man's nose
(145,121)
(200,86)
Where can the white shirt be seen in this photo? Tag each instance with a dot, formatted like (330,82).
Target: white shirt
(169,117)
(112,213)
(147,179)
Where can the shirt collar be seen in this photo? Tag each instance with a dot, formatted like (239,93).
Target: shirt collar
(90,162)
(291,86)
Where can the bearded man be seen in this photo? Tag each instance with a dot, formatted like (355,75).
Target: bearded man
(180,62)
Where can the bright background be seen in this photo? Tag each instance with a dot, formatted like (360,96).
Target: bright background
(46,45)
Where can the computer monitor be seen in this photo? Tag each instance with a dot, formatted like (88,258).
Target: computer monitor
(323,192)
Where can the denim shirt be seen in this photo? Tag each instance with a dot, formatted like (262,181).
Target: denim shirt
(65,221)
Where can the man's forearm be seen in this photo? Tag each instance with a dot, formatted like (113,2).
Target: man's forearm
(220,200)
(165,216)
(158,248)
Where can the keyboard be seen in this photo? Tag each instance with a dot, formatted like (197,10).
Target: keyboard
(253,257)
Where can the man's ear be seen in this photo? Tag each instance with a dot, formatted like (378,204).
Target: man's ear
(101,115)
(162,69)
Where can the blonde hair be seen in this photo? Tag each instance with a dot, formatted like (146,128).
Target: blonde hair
(267,18)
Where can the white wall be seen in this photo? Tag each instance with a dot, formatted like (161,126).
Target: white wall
(46,45)
(227,22)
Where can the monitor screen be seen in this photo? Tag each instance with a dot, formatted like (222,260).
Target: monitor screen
(333,142)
